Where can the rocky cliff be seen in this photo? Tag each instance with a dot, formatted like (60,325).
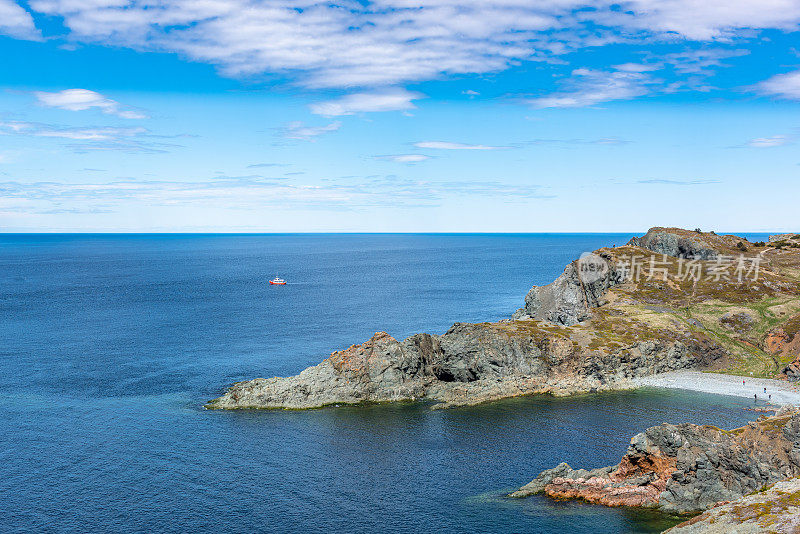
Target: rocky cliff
(601,322)
(469,364)
(685,468)
(571,297)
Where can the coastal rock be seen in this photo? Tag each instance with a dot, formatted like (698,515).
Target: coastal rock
(685,468)
(470,363)
(678,245)
(595,328)
(776,509)
(784,344)
(570,298)
(792,371)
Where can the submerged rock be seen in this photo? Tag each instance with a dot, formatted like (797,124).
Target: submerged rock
(685,468)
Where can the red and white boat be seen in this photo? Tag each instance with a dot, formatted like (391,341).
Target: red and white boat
(277,282)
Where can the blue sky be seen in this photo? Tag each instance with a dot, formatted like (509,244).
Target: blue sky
(399,115)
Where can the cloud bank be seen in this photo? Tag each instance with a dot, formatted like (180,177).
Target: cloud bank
(382,45)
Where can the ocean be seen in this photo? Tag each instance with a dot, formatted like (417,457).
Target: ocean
(110,345)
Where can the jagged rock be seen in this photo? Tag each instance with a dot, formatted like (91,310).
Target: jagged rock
(685,468)
(783,342)
(569,299)
(664,241)
(792,371)
(470,363)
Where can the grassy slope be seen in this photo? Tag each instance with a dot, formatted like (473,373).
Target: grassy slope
(736,315)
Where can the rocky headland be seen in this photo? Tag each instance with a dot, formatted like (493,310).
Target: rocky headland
(685,468)
(615,315)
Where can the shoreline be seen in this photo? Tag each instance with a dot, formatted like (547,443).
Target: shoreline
(782,392)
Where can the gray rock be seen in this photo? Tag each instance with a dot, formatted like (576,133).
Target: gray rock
(470,363)
(773,510)
(678,246)
(570,298)
(687,467)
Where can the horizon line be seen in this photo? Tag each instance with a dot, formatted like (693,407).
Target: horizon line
(258,233)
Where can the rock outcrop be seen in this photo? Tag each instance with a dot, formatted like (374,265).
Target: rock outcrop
(783,343)
(685,468)
(679,245)
(599,324)
(773,510)
(470,363)
(570,298)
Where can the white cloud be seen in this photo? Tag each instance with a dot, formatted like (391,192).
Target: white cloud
(16,22)
(661,181)
(783,86)
(638,67)
(392,42)
(77,134)
(445,145)
(589,87)
(405,158)
(135,139)
(83,99)
(298,130)
(387,100)
(701,61)
(702,21)
(768,142)
(246,193)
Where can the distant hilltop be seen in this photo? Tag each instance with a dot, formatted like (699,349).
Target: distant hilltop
(668,300)
(793,239)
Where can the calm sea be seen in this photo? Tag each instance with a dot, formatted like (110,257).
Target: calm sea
(109,345)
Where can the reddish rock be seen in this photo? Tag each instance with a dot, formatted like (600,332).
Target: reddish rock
(685,468)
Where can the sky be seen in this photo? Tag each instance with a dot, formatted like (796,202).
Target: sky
(399,115)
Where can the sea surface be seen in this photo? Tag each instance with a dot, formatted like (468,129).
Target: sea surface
(110,345)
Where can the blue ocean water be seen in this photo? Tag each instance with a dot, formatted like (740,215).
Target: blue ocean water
(109,346)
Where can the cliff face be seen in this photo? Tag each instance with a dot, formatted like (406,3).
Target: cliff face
(600,323)
(783,343)
(685,468)
(571,297)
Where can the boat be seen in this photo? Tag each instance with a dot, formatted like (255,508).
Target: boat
(277,282)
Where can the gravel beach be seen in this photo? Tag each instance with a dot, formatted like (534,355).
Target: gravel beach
(782,392)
